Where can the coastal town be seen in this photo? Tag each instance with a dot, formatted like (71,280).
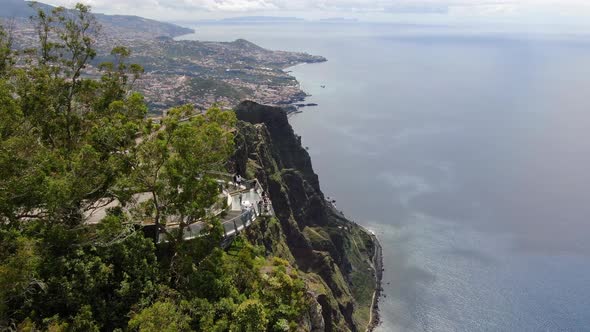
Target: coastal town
(189,71)
(204,73)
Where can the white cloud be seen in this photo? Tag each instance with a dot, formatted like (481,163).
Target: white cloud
(187,9)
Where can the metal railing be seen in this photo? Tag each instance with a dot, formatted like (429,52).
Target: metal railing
(241,222)
(260,206)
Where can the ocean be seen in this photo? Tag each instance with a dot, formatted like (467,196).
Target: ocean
(467,151)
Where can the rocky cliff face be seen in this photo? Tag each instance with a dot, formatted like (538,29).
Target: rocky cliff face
(335,255)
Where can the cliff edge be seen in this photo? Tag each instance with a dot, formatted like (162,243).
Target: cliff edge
(339,259)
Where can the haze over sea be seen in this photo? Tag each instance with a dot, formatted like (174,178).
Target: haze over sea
(467,152)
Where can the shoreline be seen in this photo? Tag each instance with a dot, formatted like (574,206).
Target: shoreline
(377,259)
(297,101)
(377,262)
(374,316)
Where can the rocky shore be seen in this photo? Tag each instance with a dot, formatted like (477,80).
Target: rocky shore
(378,263)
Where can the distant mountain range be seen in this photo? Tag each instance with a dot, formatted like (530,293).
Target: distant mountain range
(21,9)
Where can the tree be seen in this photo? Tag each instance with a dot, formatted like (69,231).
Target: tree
(6,52)
(63,147)
(160,317)
(110,280)
(83,321)
(172,162)
(19,280)
(65,139)
(250,317)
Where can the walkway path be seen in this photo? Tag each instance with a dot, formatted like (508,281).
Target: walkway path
(242,204)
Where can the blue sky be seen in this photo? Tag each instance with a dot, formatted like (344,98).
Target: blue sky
(516,11)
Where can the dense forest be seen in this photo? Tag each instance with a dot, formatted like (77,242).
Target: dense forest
(70,144)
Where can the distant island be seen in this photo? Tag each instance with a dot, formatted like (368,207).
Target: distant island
(275,19)
(262,19)
(339,20)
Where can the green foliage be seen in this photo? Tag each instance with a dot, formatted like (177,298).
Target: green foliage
(247,292)
(6,53)
(18,271)
(250,316)
(171,164)
(84,322)
(63,136)
(69,145)
(160,317)
(110,280)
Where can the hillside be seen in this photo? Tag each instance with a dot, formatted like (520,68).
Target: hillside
(113,220)
(183,71)
(112,24)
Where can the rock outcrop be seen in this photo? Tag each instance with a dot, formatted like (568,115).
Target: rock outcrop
(335,255)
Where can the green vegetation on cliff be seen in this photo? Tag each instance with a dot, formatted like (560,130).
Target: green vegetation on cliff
(335,254)
(70,145)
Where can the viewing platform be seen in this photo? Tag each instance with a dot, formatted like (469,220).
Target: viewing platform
(238,207)
(244,203)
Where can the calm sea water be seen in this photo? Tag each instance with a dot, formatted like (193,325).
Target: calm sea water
(468,153)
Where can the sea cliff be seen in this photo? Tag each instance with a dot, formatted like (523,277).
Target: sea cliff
(340,260)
